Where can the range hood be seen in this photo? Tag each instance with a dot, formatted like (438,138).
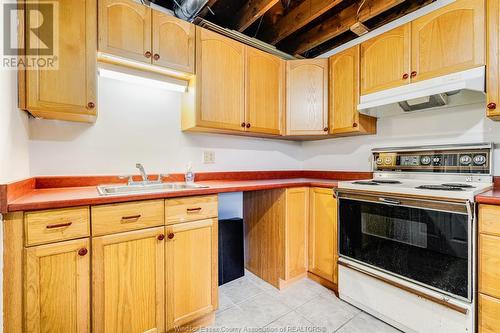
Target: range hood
(462,88)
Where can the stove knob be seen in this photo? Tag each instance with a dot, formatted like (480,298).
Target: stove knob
(388,160)
(425,160)
(479,159)
(465,160)
(379,161)
(436,160)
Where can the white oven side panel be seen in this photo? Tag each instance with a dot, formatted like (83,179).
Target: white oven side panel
(399,308)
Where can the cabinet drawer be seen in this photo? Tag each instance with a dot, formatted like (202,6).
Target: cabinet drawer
(110,219)
(489,265)
(49,226)
(489,219)
(190,209)
(489,314)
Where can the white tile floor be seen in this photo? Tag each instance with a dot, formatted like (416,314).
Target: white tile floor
(251,305)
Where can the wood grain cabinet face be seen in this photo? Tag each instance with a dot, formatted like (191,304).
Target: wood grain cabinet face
(449,40)
(296,220)
(57,287)
(489,314)
(69,91)
(128,282)
(307,97)
(220,82)
(489,265)
(265,79)
(173,42)
(125,29)
(385,60)
(323,234)
(191,266)
(493,59)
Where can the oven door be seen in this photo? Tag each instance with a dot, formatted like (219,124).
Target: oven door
(427,242)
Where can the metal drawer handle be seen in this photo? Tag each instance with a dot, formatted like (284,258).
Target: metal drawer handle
(131,218)
(193,210)
(389,201)
(60,225)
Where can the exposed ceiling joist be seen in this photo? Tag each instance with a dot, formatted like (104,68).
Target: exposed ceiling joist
(338,24)
(297,18)
(251,11)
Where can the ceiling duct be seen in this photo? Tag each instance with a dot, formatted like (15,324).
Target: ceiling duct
(188,9)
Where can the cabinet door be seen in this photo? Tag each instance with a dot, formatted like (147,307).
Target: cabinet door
(220,69)
(264,92)
(385,61)
(125,29)
(323,234)
(307,97)
(128,282)
(57,287)
(173,42)
(296,225)
(493,59)
(69,91)
(489,265)
(448,40)
(344,91)
(191,257)
(489,314)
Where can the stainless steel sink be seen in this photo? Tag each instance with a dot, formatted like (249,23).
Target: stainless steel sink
(106,190)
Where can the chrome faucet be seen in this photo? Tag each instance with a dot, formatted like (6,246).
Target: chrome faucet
(142,171)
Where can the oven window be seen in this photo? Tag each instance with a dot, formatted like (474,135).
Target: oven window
(427,246)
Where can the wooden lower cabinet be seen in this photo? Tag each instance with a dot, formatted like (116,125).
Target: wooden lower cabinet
(191,271)
(323,252)
(276,234)
(489,314)
(57,287)
(128,282)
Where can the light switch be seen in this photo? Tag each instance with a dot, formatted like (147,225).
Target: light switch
(208,157)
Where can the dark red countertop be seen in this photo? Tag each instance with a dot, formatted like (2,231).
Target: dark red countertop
(48,198)
(491,197)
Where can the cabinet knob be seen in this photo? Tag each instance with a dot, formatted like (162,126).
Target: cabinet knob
(161,237)
(91,105)
(147,54)
(248,125)
(492,106)
(413,74)
(171,235)
(405,76)
(355,125)
(156,57)
(83,251)
(325,129)
(243,124)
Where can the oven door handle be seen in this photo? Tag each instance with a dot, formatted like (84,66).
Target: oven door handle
(390,201)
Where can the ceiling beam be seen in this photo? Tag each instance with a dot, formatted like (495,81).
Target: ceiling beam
(338,24)
(297,18)
(251,11)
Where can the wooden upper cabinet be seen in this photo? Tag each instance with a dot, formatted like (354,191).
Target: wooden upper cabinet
(173,42)
(385,61)
(191,257)
(220,81)
(265,81)
(323,234)
(128,282)
(125,29)
(69,91)
(448,40)
(307,97)
(493,59)
(57,287)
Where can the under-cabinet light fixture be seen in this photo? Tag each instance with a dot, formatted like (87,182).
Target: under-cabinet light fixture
(142,78)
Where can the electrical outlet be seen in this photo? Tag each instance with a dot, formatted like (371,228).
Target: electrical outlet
(208,157)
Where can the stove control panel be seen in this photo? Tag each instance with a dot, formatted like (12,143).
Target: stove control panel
(475,160)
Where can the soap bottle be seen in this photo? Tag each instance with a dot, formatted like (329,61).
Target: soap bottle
(189,175)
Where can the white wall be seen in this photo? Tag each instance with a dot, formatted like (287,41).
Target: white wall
(464,124)
(141,124)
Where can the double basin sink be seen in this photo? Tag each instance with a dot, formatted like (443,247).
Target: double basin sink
(121,189)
